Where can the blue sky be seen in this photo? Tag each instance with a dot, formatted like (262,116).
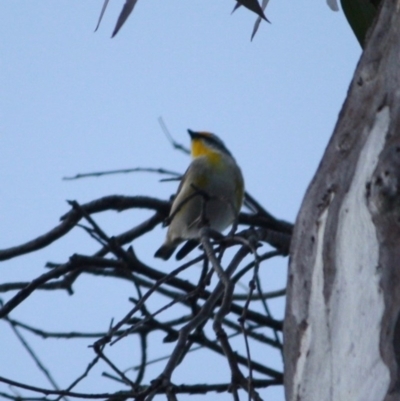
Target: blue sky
(75,101)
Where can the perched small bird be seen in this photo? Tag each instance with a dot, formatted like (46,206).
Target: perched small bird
(210,193)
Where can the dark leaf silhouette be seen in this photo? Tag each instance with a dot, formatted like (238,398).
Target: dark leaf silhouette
(105,4)
(126,11)
(360,15)
(123,16)
(252,5)
(258,21)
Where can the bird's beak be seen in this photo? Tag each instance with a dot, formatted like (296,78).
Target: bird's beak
(191,133)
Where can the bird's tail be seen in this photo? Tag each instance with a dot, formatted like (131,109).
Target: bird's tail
(165,251)
(186,249)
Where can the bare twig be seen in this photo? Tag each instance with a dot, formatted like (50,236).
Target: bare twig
(123,171)
(56,392)
(82,376)
(218,304)
(267,311)
(203,314)
(32,353)
(99,351)
(70,219)
(170,138)
(137,307)
(263,295)
(25,292)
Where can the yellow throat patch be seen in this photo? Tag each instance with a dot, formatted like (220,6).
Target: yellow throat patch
(200,149)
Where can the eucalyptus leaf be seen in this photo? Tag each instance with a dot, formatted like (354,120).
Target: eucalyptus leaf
(360,15)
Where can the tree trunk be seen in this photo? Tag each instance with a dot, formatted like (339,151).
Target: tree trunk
(342,326)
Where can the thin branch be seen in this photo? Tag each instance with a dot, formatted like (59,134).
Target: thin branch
(203,314)
(56,392)
(203,304)
(242,321)
(263,295)
(99,352)
(248,267)
(137,307)
(123,171)
(267,311)
(170,138)
(32,353)
(250,331)
(143,362)
(82,376)
(34,284)
(70,219)
(256,366)
(134,233)
(81,262)
(149,317)
(19,398)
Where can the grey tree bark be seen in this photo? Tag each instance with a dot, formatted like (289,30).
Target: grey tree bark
(342,325)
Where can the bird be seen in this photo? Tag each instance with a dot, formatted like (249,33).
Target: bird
(210,194)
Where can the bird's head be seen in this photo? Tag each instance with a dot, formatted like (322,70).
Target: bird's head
(207,144)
